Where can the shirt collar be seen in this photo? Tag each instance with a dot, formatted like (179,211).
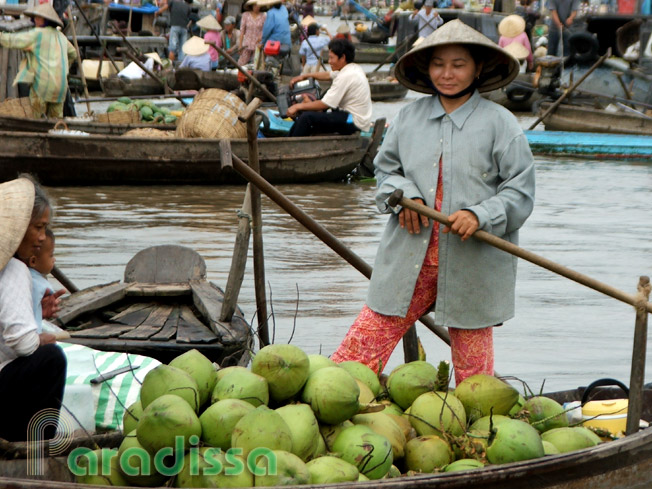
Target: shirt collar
(459,115)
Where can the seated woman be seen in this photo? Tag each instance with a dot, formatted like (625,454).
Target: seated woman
(32,366)
(512,30)
(196,54)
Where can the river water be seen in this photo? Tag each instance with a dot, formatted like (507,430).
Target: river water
(592,216)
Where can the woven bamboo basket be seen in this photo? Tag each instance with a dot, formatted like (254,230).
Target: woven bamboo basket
(148,132)
(17,107)
(213,114)
(120,117)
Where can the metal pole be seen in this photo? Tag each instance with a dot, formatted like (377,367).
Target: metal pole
(637,378)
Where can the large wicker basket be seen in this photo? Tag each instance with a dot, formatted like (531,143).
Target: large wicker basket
(120,117)
(213,114)
(17,107)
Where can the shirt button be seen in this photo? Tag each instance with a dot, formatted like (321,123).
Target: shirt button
(441,140)
(416,266)
(425,241)
(432,189)
(484,175)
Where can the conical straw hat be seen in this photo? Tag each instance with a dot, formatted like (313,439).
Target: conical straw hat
(309,19)
(195,46)
(343,29)
(498,69)
(209,23)
(517,50)
(511,26)
(16,204)
(46,11)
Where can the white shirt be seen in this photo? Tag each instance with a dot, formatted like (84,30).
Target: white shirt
(18,336)
(350,92)
(428,23)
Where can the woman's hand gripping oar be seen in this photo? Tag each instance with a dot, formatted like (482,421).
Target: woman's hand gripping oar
(397,199)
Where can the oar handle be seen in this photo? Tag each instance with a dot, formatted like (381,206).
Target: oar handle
(397,199)
(63,280)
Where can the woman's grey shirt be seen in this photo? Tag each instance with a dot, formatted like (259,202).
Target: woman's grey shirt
(488,169)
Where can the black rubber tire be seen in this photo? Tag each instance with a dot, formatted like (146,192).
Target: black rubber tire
(583,47)
(517,94)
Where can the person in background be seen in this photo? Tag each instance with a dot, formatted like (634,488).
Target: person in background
(212,27)
(32,366)
(349,97)
(512,30)
(343,32)
(180,18)
(307,9)
(277,25)
(196,54)
(468,158)
(428,18)
(49,55)
(230,39)
(251,31)
(40,265)
(562,15)
(162,20)
(309,61)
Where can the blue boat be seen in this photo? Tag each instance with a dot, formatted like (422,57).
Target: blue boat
(590,145)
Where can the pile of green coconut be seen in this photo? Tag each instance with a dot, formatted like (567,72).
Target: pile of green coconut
(294,419)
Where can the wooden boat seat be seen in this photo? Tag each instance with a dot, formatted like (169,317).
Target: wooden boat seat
(165,264)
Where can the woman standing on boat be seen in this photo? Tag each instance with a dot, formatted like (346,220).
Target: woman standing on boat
(467,157)
(251,31)
(32,366)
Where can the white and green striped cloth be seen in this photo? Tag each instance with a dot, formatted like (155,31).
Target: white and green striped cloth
(111,396)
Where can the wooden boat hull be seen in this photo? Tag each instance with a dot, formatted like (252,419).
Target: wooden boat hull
(587,119)
(622,464)
(122,87)
(372,53)
(590,145)
(44,125)
(112,160)
(164,307)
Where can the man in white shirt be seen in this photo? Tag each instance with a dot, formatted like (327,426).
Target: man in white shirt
(428,17)
(349,97)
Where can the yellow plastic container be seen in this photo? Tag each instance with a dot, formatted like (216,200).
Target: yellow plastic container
(608,415)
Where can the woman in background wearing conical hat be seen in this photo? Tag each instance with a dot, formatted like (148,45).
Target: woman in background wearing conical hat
(196,54)
(461,154)
(512,31)
(32,366)
(48,58)
(251,31)
(212,27)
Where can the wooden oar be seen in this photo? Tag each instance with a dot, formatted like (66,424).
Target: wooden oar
(251,78)
(63,280)
(570,90)
(397,199)
(321,232)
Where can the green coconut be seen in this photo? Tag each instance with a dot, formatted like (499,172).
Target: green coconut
(330,432)
(393,472)
(303,428)
(164,380)
(549,448)
(364,374)
(321,449)
(569,439)
(329,470)
(410,380)
(366,395)
(285,367)
(435,412)
(234,473)
(516,408)
(103,476)
(384,425)
(483,394)
(262,427)
(513,441)
(242,384)
(485,423)
(463,464)
(131,417)
(192,475)
(201,369)
(227,370)
(370,452)
(362,478)
(137,466)
(219,419)
(290,470)
(404,423)
(427,453)
(545,414)
(391,408)
(332,393)
(319,361)
(163,420)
